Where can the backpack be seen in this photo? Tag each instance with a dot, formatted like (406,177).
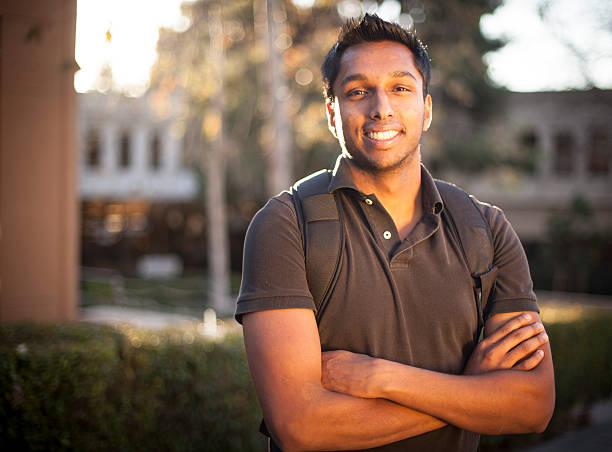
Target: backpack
(321,226)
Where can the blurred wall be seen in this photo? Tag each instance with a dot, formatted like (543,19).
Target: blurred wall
(38,177)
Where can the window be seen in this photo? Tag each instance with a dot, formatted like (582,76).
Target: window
(125,157)
(155,156)
(529,154)
(529,139)
(564,153)
(599,152)
(92,150)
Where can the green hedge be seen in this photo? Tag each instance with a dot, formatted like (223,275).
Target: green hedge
(88,388)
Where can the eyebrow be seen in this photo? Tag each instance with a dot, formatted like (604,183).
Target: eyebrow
(362,77)
(402,74)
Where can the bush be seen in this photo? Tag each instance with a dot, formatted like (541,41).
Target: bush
(88,388)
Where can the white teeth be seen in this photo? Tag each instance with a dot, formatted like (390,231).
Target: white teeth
(382,136)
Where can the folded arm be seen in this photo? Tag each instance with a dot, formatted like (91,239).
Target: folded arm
(284,354)
(519,398)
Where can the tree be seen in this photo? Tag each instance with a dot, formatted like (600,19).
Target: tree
(193,65)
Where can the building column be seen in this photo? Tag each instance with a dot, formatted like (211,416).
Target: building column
(545,166)
(171,158)
(581,152)
(109,149)
(38,162)
(141,144)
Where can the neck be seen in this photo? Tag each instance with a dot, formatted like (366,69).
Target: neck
(399,191)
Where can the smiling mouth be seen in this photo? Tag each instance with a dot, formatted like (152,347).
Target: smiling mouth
(382,136)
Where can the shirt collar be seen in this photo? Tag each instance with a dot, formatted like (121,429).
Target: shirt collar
(432,201)
(343,178)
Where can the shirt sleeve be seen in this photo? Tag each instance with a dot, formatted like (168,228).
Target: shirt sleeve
(273,267)
(513,288)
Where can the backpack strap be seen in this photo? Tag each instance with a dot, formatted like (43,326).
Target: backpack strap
(319,219)
(476,242)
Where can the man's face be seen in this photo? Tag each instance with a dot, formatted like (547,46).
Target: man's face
(379,112)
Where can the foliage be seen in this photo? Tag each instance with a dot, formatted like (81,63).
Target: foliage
(86,387)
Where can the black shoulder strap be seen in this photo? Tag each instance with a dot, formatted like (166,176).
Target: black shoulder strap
(322,233)
(476,242)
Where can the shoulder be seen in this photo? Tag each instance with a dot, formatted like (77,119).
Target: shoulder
(513,288)
(273,231)
(454,194)
(467,209)
(274,227)
(491,214)
(279,211)
(279,204)
(501,229)
(273,266)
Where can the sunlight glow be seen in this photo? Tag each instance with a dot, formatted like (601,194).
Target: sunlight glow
(116,41)
(118,37)
(538,56)
(303,3)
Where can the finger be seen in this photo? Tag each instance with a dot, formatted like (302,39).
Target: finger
(511,325)
(531,361)
(516,346)
(518,336)
(525,348)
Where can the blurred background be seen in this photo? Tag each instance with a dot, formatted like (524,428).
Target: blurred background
(138,138)
(191,114)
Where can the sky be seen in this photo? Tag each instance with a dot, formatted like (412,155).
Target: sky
(540,55)
(130,47)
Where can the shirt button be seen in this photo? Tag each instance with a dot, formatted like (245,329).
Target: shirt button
(368,201)
(387,235)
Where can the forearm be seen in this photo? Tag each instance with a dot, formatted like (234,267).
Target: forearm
(326,420)
(510,387)
(507,401)
(284,355)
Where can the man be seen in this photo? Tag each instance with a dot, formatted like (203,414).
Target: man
(399,368)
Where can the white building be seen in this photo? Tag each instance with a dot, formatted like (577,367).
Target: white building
(130,152)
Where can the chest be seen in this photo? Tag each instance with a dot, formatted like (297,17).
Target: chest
(409,301)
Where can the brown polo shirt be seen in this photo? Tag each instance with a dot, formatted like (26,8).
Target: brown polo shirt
(408,301)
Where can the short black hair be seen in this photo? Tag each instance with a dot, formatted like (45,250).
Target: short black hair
(371,28)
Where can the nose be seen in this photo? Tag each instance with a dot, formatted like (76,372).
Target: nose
(381,106)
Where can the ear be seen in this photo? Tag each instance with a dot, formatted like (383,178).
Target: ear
(331,117)
(428,113)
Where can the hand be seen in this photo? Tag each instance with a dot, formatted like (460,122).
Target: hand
(348,373)
(514,345)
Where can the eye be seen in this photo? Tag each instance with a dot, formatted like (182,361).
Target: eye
(356,93)
(402,89)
